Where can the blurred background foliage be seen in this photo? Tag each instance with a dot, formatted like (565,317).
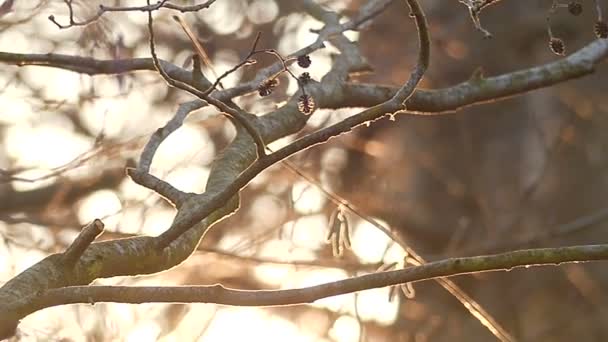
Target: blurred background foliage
(516,173)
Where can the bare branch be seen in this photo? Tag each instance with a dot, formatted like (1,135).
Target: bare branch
(197,212)
(148,8)
(88,234)
(221,295)
(483,90)
(145,160)
(439,101)
(170,193)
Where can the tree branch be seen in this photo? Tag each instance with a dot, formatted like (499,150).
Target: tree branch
(82,242)
(220,295)
(103,9)
(199,212)
(480,90)
(472,92)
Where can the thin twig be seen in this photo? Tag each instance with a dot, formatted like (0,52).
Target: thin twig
(237,115)
(200,50)
(104,9)
(169,192)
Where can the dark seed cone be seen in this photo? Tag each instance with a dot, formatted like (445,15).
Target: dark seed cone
(575,8)
(601,29)
(267,87)
(305,78)
(304,61)
(557,46)
(306,104)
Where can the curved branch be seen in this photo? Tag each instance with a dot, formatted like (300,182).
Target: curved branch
(220,295)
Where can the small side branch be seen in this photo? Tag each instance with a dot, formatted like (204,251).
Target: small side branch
(88,234)
(170,193)
(103,9)
(145,160)
(475,7)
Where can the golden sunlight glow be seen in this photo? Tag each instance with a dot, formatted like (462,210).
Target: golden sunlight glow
(193,323)
(144,331)
(46,142)
(27,257)
(334,159)
(272,274)
(100,204)
(280,143)
(375,305)
(129,190)
(224,17)
(394,254)
(57,84)
(345,329)
(190,178)
(368,242)
(251,324)
(262,11)
(267,211)
(279,274)
(224,60)
(307,231)
(306,198)
(32,174)
(16,110)
(158,220)
(115,116)
(16,40)
(42,324)
(187,143)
